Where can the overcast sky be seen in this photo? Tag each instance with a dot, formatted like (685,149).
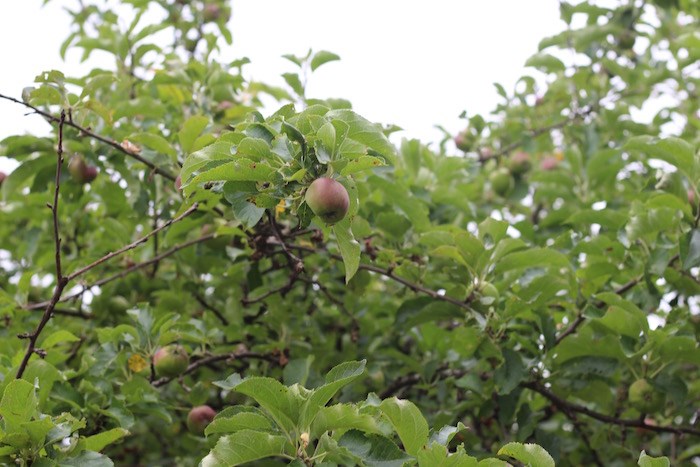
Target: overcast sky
(415,63)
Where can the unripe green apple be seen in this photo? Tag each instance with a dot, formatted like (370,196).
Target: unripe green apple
(170,361)
(626,39)
(80,171)
(199,417)
(328,199)
(501,181)
(519,163)
(644,397)
(486,296)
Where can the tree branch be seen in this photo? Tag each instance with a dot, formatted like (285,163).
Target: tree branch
(625,422)
(206,305)
(217,358)
(91,134)
(125,272)
(61,281)
(132,245)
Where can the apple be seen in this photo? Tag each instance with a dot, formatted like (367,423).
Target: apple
(81,171)
(691,192)
(170,361)
(549,163)
(626,39)
(178,183)
(501,181)
(3,176)
(486,296)
(644,397)
(211,12)
(199,417)
(328,199)
(464,141)
(519,163)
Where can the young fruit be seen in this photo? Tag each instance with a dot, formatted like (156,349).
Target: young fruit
(486,297)
(198,419)
(170,361)
(519,163)
(626,39)
(178,183)
(211,12)
(644,397)
(80,171)
(501,181)
(549,163)
(3,176)
(328,199)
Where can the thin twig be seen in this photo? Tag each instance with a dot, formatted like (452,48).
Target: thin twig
(206,305)
(91,134)
(125,272)
(295,262)
(132,245)
(61,281)
(624,422)
(217,358)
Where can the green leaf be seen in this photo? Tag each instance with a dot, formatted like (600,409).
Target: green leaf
(98,442)
(374,450)
(343,417)
(18,404)
(155,142)
(237,170)
(408,423)
(292,79)
(546,63)
(365,132)
(325,143)
(438,456)
(690,250)
(348,246)
(244,446)
(193,127)
(283,404)
(531,455)
(240,421)
(338,377)
(322,57)
(648,461)
(533,258)
(87,459)
(361,164)
(510,373)
(675,151)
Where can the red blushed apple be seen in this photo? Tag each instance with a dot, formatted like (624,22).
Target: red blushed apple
(81,171)
(170,361)
(199,417)
(549,163)
(328,199)
(519,163)
(3,176)
(178,183)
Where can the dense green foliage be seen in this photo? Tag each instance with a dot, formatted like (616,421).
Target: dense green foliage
(505,288)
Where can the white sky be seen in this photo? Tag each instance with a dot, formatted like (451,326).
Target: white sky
(415,63)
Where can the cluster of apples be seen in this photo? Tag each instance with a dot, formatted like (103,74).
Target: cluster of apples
(503,179)
(171,361)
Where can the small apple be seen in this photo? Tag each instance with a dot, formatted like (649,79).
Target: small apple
(178,183)
(81,171)
(464,141)
(328,199)
(199,417)
(3,176)
(486,296)
(170,361)
(549,163)
(211,12)
(519,163)
(644,397)
(501,181)
(626,39)
(691,192)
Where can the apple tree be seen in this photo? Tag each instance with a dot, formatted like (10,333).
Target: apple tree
(196,267)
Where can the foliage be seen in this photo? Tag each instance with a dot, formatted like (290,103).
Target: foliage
(456,322)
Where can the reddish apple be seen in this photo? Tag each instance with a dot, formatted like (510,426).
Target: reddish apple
(328,199)
(170,361)
(198,419)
